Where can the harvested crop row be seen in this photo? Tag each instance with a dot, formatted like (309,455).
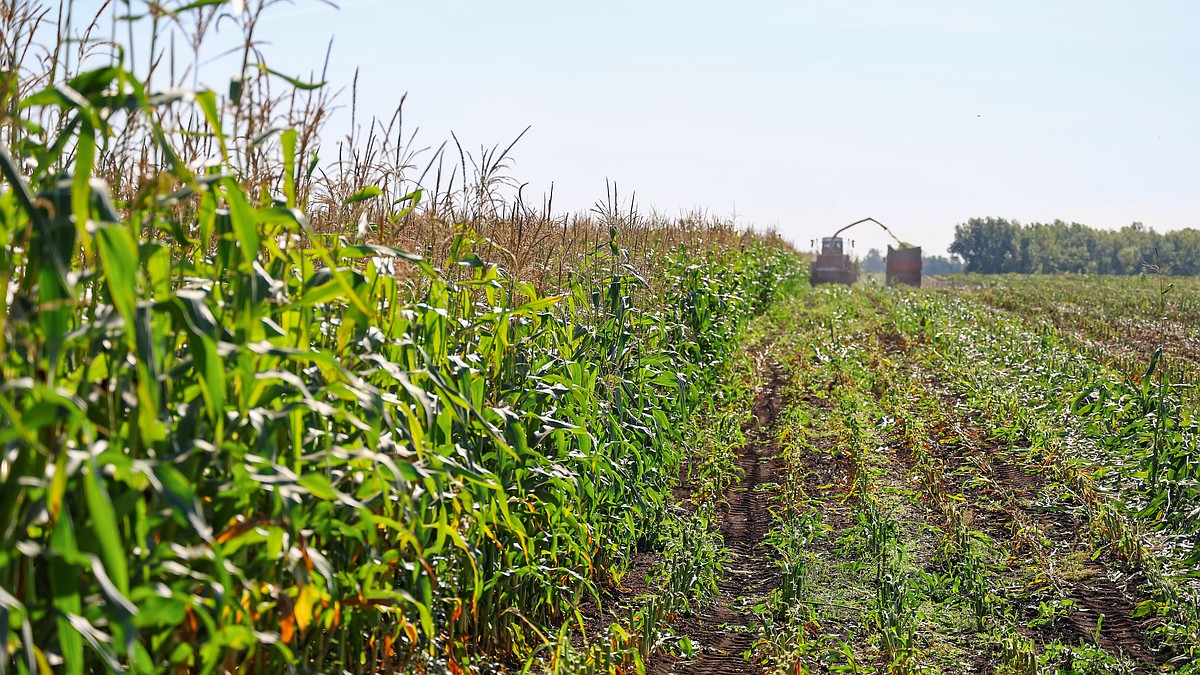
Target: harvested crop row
(972,562)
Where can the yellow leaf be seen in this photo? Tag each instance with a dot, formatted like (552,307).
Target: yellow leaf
(306,603)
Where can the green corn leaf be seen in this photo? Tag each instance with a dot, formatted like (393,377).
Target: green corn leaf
(159,611)
(369,192)
(107,528)
(85,157)
(119,253)
(97,640)
(1148,376)
(287,141)
(197,4)
(245,225)
(325,293)
(294,81)
(318,486)
(181,497)
(366,250)
(236,85)
(207,101)
(323,253)
(412,200)
(64,582)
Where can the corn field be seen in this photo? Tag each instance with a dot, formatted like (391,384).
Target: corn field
(236,440)
(274,406)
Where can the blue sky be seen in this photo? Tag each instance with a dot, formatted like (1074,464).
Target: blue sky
(802,115)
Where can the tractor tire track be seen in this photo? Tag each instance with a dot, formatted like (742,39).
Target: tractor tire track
(1092,588)
(727,631)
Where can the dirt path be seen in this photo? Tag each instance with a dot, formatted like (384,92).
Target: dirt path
(726,630)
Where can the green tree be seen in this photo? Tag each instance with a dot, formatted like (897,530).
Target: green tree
(992,245)
(938,264)
(1184,248)
(873,263)
(986,245)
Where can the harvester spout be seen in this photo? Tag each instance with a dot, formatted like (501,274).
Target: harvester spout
(872,220)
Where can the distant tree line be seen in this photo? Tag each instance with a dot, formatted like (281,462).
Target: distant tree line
(995,245)
(875,263)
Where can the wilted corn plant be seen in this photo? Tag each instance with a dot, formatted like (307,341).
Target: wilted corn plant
(232,442)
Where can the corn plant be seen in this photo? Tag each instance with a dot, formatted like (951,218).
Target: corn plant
(232,441)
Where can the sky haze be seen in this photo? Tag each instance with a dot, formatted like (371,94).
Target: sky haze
(799,115)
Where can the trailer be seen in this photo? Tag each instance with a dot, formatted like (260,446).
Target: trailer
(903,266)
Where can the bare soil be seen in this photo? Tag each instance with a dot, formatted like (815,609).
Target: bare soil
(726,632)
